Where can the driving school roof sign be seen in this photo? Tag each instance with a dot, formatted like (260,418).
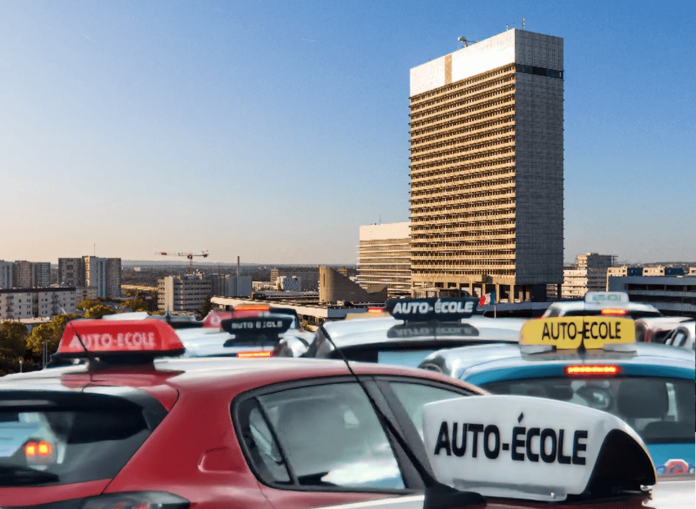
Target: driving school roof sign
(575,331)
(82,338)
(431,309)
(531,448)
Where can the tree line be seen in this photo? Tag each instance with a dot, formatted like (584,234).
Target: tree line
(24,350)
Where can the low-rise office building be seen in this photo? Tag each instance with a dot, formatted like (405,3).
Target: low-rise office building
(384,257)
(661,270)
(335,287)
(231,286)
(672,295)
(307,276)
(289,284)
(183,293)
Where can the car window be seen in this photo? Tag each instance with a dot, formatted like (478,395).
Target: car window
(329,436)
(65,439)
(413,396)
(661,410)
(552,313)
(679,338)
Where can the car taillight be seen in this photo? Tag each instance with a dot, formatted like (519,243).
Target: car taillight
(38,452)
(592,370)
(137,500)
(614,311)
(255,355)
(37,449)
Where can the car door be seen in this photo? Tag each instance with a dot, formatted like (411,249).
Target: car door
(318,442)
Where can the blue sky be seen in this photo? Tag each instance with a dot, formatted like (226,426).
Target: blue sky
(273,130)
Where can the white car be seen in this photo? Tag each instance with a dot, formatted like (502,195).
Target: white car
(405,338)
(602,303)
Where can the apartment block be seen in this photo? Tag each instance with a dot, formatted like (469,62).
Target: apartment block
(183,293)
(577,282)
(6,279)
(104,274)
(384,257)
(41,274)
(85,292)
(24,303)
(594,261)
(31,274)
(22,274)
(487,167)
(589,274)
(71,272)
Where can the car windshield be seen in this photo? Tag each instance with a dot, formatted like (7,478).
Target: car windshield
(64,440)
(661,410)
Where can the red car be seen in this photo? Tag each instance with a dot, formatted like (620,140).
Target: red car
(126,431)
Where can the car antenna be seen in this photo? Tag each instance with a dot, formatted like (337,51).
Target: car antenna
(69,322)
(437,495)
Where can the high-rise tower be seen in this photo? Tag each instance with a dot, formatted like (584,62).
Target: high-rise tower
(487,167)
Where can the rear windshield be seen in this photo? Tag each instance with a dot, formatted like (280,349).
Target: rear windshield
(661,410)
(629,314)
(409,353)
(69,438)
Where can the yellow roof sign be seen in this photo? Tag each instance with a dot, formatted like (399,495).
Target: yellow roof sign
(572,331)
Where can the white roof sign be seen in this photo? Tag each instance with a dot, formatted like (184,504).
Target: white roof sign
(524,447)
(606,298)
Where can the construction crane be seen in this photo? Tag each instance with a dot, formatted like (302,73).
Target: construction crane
(190,256)
(466,41)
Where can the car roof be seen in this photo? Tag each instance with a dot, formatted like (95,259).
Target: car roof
(463,363)
(230,375)
(375,330)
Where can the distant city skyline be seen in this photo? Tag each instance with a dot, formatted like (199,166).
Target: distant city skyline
(274,131)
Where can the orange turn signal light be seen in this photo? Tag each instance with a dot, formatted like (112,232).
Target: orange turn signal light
(252,307)
(255,355)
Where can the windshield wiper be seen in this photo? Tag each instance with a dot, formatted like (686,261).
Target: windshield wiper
(16,475)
